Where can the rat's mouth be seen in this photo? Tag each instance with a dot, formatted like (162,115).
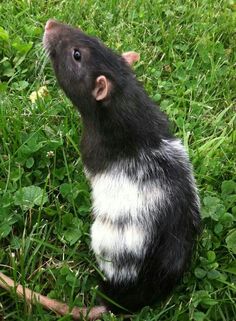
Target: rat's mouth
(46,45)
(49,47)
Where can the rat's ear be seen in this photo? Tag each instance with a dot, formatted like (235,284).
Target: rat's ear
(131,57)
(102,88)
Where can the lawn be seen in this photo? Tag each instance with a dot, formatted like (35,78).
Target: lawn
(187,66)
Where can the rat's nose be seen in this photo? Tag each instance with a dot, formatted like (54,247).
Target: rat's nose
(50,24)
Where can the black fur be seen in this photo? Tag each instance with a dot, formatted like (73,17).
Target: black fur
(126,128)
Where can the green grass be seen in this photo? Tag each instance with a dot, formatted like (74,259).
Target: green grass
(187,66)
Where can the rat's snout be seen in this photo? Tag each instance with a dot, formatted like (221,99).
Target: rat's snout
(50,35)
(50,24)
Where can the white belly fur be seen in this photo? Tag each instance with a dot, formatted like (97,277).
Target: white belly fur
(116,196)
(109,238)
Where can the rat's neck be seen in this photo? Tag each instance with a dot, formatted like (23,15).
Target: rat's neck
(119,130)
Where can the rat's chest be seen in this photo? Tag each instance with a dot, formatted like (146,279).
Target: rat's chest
(118,203)
(115,195)
(123,210)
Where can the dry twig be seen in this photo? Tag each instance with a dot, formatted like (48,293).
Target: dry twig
(58,307)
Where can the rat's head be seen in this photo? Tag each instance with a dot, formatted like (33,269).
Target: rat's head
(86,70)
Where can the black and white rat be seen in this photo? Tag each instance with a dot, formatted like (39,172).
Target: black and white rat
(145,201)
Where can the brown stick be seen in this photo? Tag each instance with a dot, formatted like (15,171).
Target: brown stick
(51,304)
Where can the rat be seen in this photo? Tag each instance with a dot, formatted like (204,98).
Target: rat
(145,203)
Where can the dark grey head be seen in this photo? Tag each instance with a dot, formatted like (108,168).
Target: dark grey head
(85,68)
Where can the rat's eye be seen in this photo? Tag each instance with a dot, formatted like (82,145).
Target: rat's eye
(77,54)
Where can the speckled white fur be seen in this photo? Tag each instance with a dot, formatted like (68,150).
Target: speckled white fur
(170,148)
(110,238)
(112,272)
(115,195)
